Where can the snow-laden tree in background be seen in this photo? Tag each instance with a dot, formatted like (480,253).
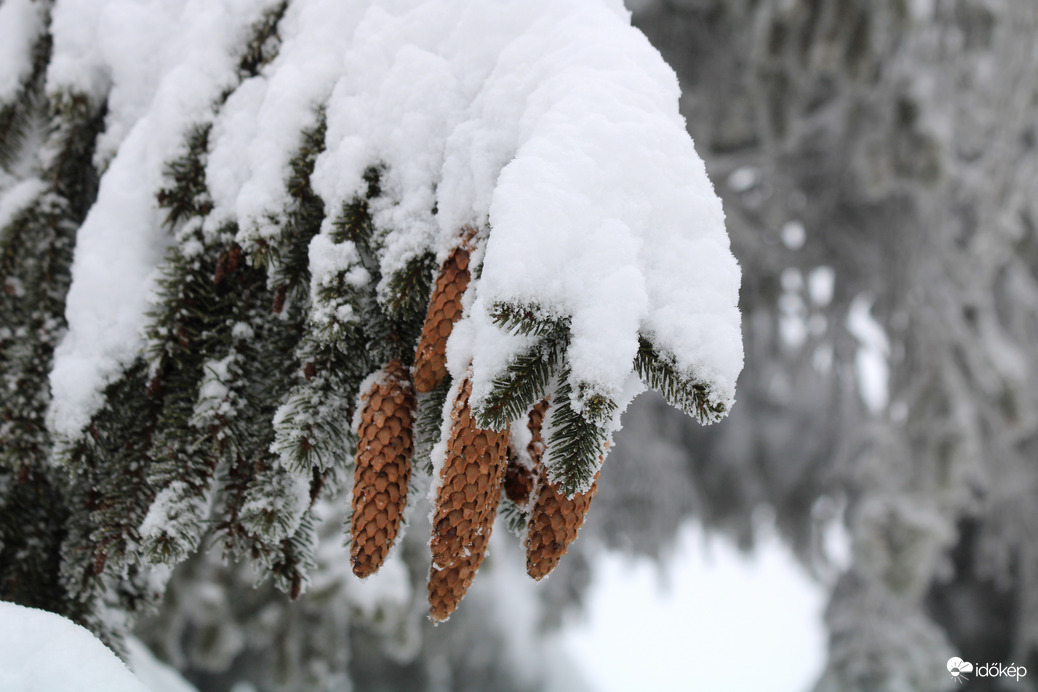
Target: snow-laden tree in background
(879,164)
(233,233)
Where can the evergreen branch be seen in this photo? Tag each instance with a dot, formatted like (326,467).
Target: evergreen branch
(16,118)
(293,564)
(187,196)
(275,502)
(311,427)
(402,314)
(527,320)
(354,223)
(113,461)
(409,288)
(576,446)
(515,518)
(523,382)
(429,424)
(287,255)
(263,47)
(681,391)
(15,121)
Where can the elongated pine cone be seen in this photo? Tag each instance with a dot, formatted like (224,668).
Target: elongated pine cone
(448,586)
(519,478)
(382,468)
(430,362)
(554,523)
(470,484)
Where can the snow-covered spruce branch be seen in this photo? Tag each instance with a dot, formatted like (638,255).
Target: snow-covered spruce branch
(297,199)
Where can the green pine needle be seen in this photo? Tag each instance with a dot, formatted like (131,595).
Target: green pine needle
(429,423)
(682,392)
(576,446)
(522,384)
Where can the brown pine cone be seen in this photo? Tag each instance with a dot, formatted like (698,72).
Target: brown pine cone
(382,468)
(430,362)
(519,478)
(554,523)
(448,586)
(518,481)
(470,484)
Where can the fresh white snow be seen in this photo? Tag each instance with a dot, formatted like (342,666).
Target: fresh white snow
(44,652)
(166,63)
(554,125)
(20,23)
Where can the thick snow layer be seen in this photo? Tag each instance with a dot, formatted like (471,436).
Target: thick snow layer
(44,652)
(165,74)
(20,25)
(552,124)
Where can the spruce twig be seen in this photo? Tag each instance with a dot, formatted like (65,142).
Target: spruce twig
(681,391)
(577,444)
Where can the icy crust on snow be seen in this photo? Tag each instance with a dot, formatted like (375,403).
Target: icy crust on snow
(552,127)
(165,65)
(21,22)
(44,652)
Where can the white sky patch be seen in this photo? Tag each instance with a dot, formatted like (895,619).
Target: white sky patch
(712,619)
(871,361)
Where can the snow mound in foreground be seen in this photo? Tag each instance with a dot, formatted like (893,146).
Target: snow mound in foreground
(44,652)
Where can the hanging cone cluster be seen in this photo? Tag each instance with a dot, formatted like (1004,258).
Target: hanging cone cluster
(466,505)
(445,308)
(382,468)
(480,466)
(554,523)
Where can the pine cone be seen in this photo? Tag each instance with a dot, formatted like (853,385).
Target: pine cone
(518,481)
(448,586)
(430,362)
(470,484)
(382,468)
(554,523)
(519,478)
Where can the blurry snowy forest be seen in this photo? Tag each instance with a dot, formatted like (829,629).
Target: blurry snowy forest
(876,160)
